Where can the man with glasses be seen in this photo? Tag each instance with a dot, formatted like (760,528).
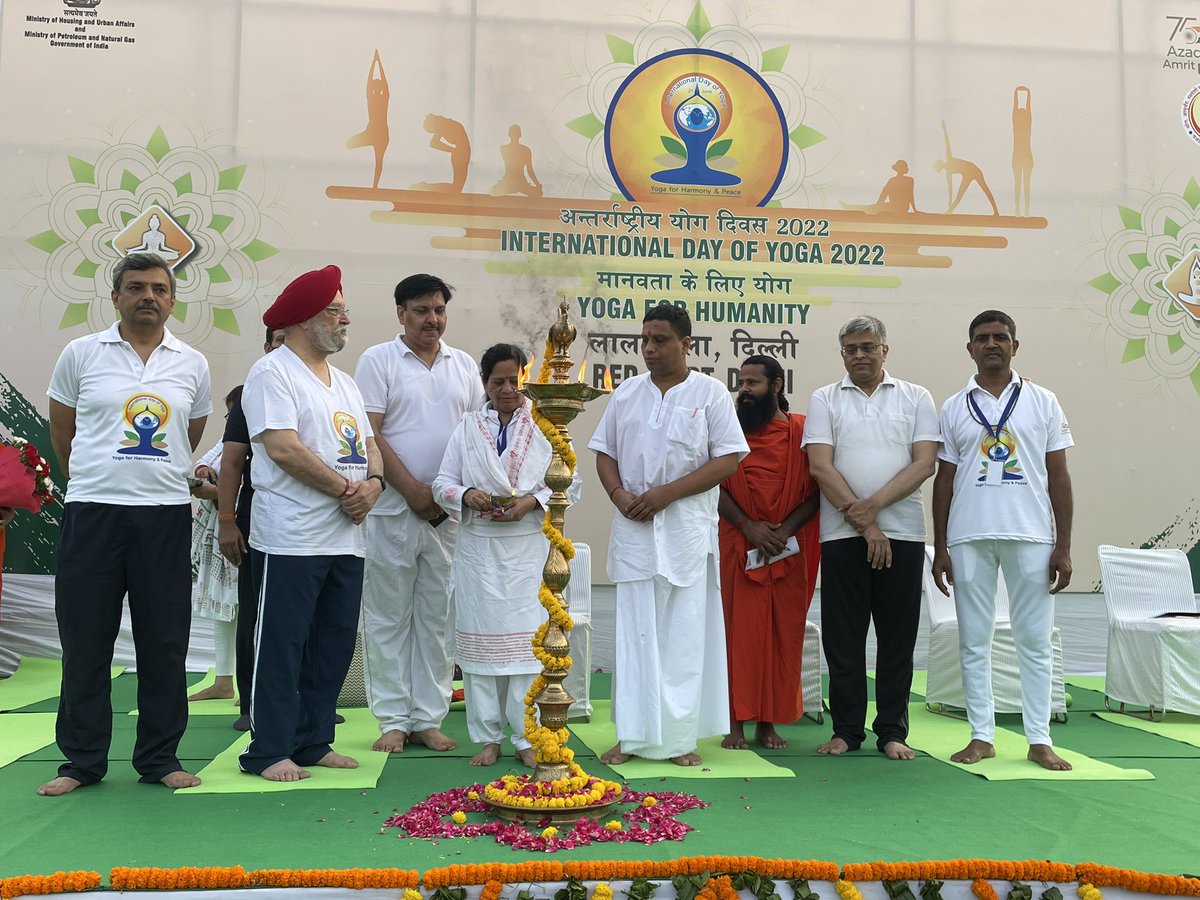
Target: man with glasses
(416,390)
(871,440)
(316,476)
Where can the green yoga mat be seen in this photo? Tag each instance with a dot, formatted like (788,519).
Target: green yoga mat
(24,733)
(600,734)
(1087,682)
(34,681)
(1177,726)
(940,737)
(354,738)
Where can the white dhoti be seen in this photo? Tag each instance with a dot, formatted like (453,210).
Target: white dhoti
(670,686)
(1026,566)
(407,620)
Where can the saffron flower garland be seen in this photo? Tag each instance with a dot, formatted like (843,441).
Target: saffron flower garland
(578,789)
(1088,875)
(435,817)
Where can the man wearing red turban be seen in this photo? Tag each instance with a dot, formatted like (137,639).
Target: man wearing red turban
(316,476)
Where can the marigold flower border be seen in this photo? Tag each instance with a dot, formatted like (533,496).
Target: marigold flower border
(1090,877)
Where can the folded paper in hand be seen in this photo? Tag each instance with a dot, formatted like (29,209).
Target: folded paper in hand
(791,548)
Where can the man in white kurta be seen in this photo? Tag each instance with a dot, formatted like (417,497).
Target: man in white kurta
(416,389)
(1002,499)
(497,567)
(666,441)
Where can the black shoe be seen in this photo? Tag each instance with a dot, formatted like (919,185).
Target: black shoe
(339,719)
(242,723)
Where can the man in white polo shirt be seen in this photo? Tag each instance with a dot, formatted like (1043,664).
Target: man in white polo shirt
(127,409)
(316,476)
(416,390)
(1002,499)
(871,442)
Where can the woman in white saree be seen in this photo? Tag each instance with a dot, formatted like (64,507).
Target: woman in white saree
(493,480)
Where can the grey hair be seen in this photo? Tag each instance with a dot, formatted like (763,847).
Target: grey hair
(869,324)
(140,262)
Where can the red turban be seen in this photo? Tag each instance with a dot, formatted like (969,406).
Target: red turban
(304,297)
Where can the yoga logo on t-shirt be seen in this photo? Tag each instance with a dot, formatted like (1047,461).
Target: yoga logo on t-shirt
(147,415)
(1002,450)
(350,437)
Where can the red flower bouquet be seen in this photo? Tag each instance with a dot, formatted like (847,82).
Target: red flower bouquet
(24,477)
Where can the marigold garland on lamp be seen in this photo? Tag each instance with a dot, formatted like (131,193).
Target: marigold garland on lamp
(559,788)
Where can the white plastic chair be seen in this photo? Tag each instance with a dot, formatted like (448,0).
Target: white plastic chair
(810,674)
(578,595)
(944,686)
(1152,662)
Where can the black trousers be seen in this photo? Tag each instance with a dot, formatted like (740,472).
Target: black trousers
(852,596)
(247,620)
(104,552)
(307,619)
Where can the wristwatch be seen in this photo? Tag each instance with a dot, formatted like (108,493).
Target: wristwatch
(382,483)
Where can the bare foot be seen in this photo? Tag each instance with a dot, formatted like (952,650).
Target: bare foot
(221,689)
(974,752)
(391,742)
(63,784)
(687,759)
(1044,756)
(614,757)
(527,757)
(736,739)
(898,750)
(433,739)
(332,760)
(766,735)
(179,780)
(487,756)
(834,747)
(285,770)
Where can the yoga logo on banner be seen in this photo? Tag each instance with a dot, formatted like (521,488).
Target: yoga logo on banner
(721,126)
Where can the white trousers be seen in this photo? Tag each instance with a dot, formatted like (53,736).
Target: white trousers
(670,684)
(225,644)
(493,700)
(407,622)
(1026,568)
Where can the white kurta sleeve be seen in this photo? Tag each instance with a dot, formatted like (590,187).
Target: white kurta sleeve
(725,433)
(448,487)
(212,458)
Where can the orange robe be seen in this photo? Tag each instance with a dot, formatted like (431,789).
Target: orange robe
(766,608)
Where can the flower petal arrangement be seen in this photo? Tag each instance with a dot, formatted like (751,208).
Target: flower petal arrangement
(447,814)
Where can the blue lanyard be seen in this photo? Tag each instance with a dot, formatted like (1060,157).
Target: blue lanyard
(978,416)
(502,439)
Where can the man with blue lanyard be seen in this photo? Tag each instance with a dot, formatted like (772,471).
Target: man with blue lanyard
(1002,499)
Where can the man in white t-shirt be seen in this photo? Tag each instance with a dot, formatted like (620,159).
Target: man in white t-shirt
(667,439)
(316,476)
(127,409)
(1002,499)
(416,389)
(871,442)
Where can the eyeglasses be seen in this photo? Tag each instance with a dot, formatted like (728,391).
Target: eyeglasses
(854,349)
(338,311)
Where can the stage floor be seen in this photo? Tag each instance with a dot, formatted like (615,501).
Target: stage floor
(855,808)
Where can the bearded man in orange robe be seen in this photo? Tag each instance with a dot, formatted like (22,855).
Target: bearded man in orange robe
(770,547)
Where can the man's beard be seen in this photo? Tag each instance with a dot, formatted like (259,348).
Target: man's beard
(329,341)
(755,414)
